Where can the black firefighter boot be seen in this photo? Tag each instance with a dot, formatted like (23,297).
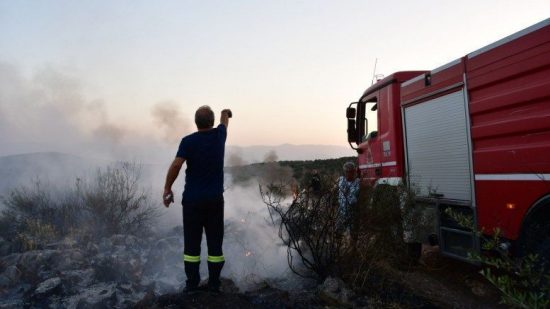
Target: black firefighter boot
(193,277)
(214,270)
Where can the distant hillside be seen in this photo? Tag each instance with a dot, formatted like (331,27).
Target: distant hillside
(237,155)
(53,167)
(63,169)
(301,171)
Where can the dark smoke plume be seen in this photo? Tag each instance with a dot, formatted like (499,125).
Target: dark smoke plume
(168,117)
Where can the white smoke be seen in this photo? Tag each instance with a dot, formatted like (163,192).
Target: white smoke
(49,112)
(253,250)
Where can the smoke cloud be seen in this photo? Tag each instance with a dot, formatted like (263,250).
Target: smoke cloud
(235,158)
(254,253)
(49,112)
(169,118)
(271,156)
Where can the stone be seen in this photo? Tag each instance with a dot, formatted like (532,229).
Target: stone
(48,287)
(79,278)
(98,296)
(70,259)
(4,281)
(120,266)
(11,303)
(118,239)
(476,287)
(34,261)
(132,241)
(334,292)
(11,259)
(269,297)
(12,273)
(6,247)
(92,248)
(105,245)
(65,243)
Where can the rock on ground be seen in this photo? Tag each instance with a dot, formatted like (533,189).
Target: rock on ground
(48,287)
(333,291)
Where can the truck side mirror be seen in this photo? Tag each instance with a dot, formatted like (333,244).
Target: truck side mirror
(350,113)
(352,131)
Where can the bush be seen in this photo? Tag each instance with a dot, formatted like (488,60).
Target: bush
(112,203)
(522,282)
(310,225)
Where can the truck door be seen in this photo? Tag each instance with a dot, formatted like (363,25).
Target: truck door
(370,148)
(438,152)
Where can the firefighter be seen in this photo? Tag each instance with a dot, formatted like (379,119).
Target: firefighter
(315,183)
(202,200)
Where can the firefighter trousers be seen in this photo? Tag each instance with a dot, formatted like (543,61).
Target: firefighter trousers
(207,215)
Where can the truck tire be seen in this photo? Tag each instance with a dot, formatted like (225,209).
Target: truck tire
(414,251)
(543,252)
(535,231)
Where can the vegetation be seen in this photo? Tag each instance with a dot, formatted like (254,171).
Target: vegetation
(523,282)
(310,226)
(300,171)
(111,203)
(309,229)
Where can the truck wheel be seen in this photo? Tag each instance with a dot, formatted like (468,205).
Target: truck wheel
(414,251)
(543,252)
(536,233)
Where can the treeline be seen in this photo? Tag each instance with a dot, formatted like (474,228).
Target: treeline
(300,171)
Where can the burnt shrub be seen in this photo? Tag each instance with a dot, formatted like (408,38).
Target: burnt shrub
(325,243)
(33,216)
(311,227)
(111,203)
(114,203)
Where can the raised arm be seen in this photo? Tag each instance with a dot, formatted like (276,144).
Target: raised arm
(173,172)
(224,119)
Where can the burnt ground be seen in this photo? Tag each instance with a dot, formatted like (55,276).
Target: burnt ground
(264,297)
(448,283)
(437,282)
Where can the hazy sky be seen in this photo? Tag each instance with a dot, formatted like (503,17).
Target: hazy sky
(287,69)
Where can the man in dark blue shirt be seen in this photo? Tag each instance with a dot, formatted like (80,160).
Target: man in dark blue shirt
(203,195)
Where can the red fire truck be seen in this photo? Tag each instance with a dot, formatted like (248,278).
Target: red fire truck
(472,135)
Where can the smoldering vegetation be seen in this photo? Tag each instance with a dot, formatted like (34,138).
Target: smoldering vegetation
(350,254)
(105,240)
(81,233)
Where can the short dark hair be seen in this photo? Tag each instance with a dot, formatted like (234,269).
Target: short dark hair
(349,166)
(204,117)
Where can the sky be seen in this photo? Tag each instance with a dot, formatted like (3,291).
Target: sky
(135,71)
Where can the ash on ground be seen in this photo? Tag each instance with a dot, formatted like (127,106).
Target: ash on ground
(120,271)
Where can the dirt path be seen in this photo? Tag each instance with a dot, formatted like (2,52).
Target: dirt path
(449,283)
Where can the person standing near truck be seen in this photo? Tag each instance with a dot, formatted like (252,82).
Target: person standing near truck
(348,194)
(202,201)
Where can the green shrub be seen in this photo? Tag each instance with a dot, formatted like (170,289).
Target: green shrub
(523,282)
